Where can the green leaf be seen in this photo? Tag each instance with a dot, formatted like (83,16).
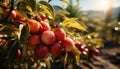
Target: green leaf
(23,33)
(57,8)
(13,52)
(2,28)
(47,5)
(32,4)
(22,7)
(6,49)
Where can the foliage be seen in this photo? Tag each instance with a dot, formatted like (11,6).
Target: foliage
(19,17)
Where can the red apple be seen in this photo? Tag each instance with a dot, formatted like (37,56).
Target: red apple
(34,39)
(44,27)
(19,54)
(55,49)
(80,46)
(13,14)
(68,44)
(59,33)
(48,37)
(96,52)
(23,20)
(85,51)
(20,18)
(43,17)
(34,26)
(0,39)
(41,51)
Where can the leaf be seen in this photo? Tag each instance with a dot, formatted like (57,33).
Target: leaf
(63,12)
(47,61)
(22,7)
(6,49)
(46,7)
(65,60)
(57,8)
(13,52)
(69,33)
(95,34)
(68,21)
(0,10)
(23,33)
(82,24)
(77,54)
(77,26)
(2,28)
(98,42)
(65,1)
(74,23)
(7,29)
(32,4)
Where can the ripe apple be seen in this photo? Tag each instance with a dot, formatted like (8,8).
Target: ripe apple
(13,14)
(96,52)
(34,39)
(41,51)
(43,17)
(0,39)
(44,27)
(48,37)
(34,26)
(80,46)
(19,54)
(85,51)
(20,18)
(68,44)
(59,33)
(55,49)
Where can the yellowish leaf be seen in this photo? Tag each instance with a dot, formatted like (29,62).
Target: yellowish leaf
(68,21)
(69,33)
(77,26)
(77,54)
(65,1)
(65,60)
(63,12)
(47,11)
(47,61)
(29,8)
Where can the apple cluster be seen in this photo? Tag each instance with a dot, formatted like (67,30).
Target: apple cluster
(46,40)
(86,50)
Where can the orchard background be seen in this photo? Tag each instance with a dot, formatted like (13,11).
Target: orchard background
(37,35)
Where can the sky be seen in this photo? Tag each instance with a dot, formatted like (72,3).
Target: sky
(90,4)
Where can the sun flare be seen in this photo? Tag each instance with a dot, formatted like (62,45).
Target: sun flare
(104,4)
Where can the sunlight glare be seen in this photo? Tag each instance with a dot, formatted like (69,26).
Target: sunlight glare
(104,5)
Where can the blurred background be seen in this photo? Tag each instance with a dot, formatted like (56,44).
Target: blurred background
(103,17)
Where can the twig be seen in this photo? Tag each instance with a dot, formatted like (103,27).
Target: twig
(11,8)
